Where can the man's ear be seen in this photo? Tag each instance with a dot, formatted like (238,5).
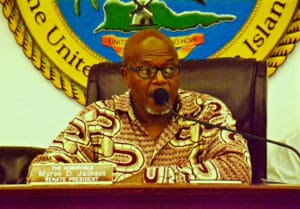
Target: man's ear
(124,73)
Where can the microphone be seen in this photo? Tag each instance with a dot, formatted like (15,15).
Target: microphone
(161,97)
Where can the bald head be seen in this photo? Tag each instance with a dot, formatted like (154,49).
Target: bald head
(132,47)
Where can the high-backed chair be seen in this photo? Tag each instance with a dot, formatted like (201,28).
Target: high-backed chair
(240,83)
(14,163)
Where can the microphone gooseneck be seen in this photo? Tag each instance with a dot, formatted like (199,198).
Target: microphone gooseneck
(161,97)
(246,135)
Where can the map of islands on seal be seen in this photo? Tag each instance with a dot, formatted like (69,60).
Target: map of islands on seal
(64,38)
(199,29)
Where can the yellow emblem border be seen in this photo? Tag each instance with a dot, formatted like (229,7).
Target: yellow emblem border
(73,83)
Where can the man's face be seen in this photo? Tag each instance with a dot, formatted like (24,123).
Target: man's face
(151,52)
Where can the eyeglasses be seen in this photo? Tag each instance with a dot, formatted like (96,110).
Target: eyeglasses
(148,72)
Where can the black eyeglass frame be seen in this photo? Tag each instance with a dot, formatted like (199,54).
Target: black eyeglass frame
(154,71)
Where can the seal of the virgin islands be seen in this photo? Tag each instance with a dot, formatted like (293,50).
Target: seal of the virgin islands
(65,38)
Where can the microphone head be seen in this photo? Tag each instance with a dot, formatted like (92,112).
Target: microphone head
(160,96)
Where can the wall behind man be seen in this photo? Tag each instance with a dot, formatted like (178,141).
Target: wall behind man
(33,111)
(284,101)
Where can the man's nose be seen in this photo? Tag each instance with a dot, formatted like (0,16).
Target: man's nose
(159,77)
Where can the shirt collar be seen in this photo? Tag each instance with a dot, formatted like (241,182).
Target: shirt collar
(123,104)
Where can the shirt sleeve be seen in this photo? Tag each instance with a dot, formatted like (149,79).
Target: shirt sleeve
(73,144)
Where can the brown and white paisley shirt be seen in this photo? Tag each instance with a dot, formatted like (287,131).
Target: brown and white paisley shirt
(108,131)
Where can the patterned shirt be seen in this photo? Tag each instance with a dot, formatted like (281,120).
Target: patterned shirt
(108,131)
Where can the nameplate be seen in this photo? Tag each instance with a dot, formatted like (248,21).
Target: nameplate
(71,173)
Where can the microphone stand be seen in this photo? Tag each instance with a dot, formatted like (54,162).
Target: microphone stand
(161,98)
(257,138)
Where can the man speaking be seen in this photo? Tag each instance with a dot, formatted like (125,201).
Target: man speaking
(139,134)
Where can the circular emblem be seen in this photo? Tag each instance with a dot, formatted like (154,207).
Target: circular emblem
(65,38)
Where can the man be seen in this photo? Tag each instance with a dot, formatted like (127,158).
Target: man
(145,141)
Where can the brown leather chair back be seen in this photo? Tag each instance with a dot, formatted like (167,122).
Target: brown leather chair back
(14,163)
(240,83)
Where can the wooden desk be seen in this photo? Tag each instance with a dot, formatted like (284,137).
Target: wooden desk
(149,196)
